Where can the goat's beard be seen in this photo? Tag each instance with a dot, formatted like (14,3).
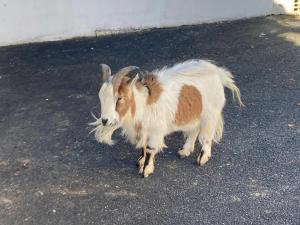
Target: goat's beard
(103,134)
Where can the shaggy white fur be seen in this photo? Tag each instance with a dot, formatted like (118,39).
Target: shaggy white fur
(157,119)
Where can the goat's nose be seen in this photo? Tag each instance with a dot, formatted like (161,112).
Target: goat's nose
(104,121)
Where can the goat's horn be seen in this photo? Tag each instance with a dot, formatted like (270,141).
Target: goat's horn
(125,71)
(117,78)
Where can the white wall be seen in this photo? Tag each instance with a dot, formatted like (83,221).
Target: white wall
(283,7)
(24,21)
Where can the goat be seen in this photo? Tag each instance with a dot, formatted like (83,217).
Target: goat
(187,97)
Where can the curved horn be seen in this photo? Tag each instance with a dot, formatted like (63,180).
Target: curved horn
(117,78)
(133,73)
(106,72)
(126,70)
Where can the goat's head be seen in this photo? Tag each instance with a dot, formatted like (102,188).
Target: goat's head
(117,93)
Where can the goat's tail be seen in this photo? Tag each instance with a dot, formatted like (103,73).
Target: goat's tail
(227,81)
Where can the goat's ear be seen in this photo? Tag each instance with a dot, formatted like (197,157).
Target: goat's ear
(105,71)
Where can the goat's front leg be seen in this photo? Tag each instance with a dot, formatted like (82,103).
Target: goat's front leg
(154,144)
(149,162)
(141,160)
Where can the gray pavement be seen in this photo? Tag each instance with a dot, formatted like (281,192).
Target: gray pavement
(53,172)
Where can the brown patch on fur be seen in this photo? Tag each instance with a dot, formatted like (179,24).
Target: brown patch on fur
(154,88)
(189,105)
(127,100)
(116,86)
(117,83)
(139,85)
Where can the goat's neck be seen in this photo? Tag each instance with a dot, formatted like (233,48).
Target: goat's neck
(140,106)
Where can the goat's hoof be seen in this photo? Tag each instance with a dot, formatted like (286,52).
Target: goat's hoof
(202,158)
(140,162)
(141,170)
(145,175)
(183,153)
(149,169)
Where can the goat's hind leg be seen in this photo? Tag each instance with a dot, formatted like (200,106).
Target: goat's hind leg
(189,145)
(211,130)
(205,153)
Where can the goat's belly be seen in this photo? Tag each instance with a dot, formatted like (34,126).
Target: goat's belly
(192,125)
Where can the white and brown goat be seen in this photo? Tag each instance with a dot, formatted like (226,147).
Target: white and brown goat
(188,97)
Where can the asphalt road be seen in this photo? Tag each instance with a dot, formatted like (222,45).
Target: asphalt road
(53,172)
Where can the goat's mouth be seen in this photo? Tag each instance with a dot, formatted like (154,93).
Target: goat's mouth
(98,122)
(103,134)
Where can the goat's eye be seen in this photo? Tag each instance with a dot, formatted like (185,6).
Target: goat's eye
(120,100)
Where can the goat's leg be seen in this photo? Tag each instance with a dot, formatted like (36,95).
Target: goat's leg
(189,145)
(142,159)
(154,145)
(149,162)
(205,153)
(206,136)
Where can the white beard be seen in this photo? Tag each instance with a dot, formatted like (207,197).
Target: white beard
(103,134)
